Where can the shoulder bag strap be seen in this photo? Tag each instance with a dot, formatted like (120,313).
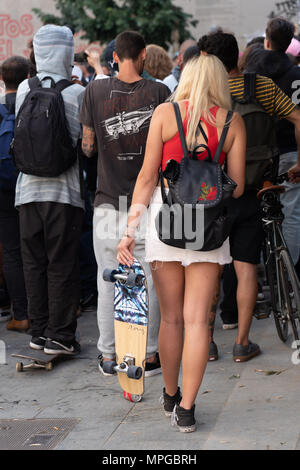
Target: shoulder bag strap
(223,137)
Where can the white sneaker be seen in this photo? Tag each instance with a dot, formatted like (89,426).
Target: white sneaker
(230,326)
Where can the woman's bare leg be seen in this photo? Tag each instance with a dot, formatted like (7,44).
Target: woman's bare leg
(168,278)
(200,285)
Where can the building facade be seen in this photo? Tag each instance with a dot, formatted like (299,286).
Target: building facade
(246,19)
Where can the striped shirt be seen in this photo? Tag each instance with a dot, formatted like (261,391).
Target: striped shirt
(268,95)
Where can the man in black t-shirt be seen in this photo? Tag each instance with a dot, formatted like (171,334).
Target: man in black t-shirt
(116,114)
(14,71)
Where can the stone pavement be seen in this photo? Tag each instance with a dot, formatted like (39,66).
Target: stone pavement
(239,406)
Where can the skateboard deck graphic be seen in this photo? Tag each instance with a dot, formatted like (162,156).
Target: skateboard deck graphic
(37,359)
(131,327)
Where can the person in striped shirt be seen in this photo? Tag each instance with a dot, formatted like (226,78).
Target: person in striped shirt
(246,236)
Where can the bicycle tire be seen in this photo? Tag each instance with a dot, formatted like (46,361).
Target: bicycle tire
(281,321)
(290,288)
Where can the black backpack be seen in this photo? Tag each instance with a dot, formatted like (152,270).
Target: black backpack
(194,214)
(262,154)
(42,144)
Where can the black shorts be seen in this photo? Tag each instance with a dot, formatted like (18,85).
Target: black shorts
(246,235)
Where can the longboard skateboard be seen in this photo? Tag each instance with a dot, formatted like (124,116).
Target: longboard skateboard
(37,359)
(131,328)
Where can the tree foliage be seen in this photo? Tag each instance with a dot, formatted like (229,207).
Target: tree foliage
(102,20)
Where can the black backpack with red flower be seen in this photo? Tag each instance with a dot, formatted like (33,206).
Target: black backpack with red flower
(194,212)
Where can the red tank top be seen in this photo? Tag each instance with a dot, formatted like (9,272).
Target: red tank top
(172,148)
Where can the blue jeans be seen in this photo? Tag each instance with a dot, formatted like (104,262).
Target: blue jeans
(291,207)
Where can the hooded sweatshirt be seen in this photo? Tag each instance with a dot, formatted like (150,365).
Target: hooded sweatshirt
(277,66)
(54,55)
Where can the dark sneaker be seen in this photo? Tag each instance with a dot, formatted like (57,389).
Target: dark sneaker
(56,347)
(169,402)
(213,354)
(153,368)
(100,367)
(184,419)
(37,342)
(245,353)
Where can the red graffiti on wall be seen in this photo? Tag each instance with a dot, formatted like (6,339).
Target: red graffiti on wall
(11,29)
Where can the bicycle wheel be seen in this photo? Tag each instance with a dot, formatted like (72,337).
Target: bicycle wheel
(272,274)
(290,291)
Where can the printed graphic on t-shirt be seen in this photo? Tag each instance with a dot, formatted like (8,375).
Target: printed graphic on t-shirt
(120,113)
(125,120)
(127,123)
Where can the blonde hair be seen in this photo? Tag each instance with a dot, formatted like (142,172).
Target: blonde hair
(204,82)
(158,64)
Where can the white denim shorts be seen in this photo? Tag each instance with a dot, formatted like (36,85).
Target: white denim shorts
(159,251)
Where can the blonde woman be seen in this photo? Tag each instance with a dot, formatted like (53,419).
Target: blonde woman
(158,64)
(185,280)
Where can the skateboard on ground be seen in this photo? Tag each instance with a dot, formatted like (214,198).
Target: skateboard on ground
(131,328)
(37,359)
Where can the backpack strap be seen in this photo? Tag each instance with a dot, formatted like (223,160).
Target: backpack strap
(223,137)
(166,198)
(34,82)
(202,132)
(250,87)
(181,130)
(62,84)
(3,110)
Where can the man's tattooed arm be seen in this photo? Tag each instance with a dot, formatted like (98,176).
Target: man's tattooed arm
(89,146)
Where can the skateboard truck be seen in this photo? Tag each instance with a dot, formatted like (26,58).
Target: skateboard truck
(127,366)
(130,278)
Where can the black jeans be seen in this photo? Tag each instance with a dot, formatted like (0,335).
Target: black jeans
(88,263)
(50,235)
(12,260)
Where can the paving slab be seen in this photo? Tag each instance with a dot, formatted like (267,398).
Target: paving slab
(239,406)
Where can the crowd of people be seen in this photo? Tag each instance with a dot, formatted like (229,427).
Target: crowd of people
(60,230)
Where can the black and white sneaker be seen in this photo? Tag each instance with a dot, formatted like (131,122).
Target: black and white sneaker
(101,369)
(55,347)
(169,402)
(153,368)
(37,342)
(184,419)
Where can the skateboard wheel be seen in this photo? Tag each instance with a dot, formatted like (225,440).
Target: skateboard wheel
(108,367)
(134,372)
(108,275)
(19,366)
(131,397)
(49,366)
(134,280)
